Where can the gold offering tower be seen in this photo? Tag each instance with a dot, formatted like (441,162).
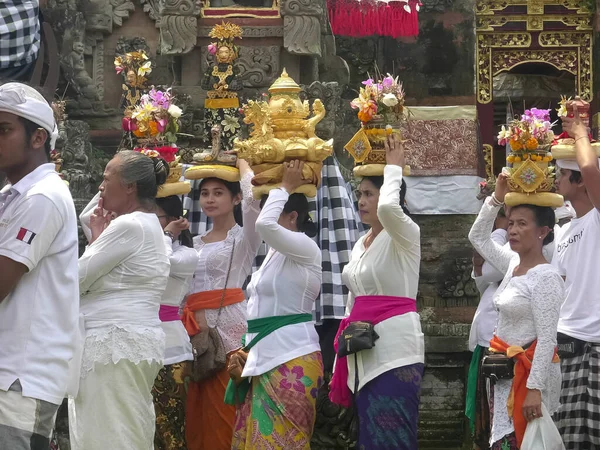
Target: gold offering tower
(282,129)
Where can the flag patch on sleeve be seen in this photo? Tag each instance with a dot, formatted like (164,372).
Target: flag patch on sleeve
(25,235)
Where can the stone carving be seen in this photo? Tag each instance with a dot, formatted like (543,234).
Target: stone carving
(460,284)
(301,26)
(178,24)
(151,8)
(258,66)
(330,94)
(121,10)
(177,34)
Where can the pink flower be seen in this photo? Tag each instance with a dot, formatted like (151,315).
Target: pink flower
(368,82)
(292,378)
(387,82)
(212,49)
(128,124)
(119,69)
(162,124)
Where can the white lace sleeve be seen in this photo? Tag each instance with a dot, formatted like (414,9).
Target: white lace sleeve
(480,237)
(547,295)
(250,212)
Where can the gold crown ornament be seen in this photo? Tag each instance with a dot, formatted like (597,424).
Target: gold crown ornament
(381,110)
(282,130)
(564,145)
(530,177)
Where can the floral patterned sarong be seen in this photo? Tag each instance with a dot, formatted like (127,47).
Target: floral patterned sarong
(280,408)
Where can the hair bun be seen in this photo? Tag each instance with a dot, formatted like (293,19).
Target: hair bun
(161,171)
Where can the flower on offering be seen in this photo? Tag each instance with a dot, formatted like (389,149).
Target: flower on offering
(531,131)
(562,106)
(166,152)
(137,61)
(155,117)
(384,97)
(531,179)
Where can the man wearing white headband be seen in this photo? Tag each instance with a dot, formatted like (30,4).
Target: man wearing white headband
(39,287)
(577,256)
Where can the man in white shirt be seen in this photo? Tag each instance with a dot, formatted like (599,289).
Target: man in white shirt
(577,256)
(39,287)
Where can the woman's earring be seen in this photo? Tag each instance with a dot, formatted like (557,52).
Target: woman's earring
(540,237)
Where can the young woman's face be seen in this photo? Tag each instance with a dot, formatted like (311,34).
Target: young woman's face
(523,231)
(216,200)
(368,198)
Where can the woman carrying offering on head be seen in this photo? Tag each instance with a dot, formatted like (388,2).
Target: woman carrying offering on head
(276,376)
(528,302)
(383,277)
(122,276)
(170,387)
(216,301)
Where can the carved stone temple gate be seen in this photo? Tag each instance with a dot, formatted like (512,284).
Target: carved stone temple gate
(515,32)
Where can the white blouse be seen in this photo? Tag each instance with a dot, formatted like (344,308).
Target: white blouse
(486,316)
(183,264)
(390,266)
(288,282)
(213,263)
(122,276)
(528,309)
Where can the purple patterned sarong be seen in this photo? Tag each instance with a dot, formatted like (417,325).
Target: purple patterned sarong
(388,410)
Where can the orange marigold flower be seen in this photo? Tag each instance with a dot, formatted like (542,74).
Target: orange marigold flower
(139,133)
(532,143)
(515,144)
(153,126)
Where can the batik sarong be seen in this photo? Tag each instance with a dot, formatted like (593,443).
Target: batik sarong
(280,408)
(388,410)
(578,417)
(170,392)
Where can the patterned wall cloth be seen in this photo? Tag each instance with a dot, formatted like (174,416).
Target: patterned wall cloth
(339,228)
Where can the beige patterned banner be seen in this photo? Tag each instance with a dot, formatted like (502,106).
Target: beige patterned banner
(442,140)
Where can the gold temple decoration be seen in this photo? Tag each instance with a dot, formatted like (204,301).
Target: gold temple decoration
(282,130)
(498,50)
(253,12)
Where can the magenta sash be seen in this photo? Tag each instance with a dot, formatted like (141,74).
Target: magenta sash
(168,313)
(367,308)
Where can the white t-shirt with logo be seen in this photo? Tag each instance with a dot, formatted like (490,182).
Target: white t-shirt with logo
(577,256)
(38,319)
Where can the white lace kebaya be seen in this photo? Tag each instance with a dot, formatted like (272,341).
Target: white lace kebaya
(213,263)
(528,309)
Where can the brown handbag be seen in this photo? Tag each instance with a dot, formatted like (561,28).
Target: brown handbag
(208,349)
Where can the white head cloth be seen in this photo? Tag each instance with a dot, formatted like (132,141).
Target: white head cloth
(565,212)
(569,164)
(24,101)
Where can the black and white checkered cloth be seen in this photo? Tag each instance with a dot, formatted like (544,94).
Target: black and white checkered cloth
(19,32)
(578,418)
(339,229)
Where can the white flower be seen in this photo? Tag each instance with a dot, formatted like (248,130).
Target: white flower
(390,100)
(175,111)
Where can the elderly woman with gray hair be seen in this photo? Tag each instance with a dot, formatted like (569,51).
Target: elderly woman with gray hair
(122,276)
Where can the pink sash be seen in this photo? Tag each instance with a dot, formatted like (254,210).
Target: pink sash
(367,308)
(168,313)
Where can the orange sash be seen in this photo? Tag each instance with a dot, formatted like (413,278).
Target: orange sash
(518,390)
(207,300)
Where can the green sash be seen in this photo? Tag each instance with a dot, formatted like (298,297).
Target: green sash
(262,327)
(470,405)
